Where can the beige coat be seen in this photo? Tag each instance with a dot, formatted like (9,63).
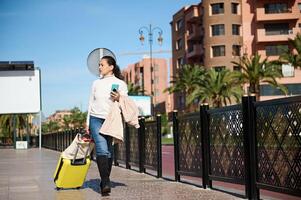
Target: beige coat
(82,147)
(125,109)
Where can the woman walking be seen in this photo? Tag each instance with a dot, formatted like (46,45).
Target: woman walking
(105,91)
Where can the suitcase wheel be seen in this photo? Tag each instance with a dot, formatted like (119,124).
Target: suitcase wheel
(78,188)
(58,188)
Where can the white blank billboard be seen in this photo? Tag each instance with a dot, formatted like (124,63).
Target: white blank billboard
(20,91)
(144,104)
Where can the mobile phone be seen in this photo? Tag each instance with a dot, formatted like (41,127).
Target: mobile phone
(114,87)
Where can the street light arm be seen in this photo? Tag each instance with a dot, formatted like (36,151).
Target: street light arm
(141,30)
(160,32)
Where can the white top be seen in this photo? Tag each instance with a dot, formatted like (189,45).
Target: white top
(100,100)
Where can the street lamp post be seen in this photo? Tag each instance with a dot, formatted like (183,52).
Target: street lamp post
(150,30)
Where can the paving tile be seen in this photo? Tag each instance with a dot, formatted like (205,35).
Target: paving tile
(28,174)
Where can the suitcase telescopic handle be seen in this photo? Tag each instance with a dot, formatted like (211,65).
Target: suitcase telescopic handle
(74,158)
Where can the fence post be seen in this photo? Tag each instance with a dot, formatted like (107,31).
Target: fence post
(141,143)
(61,141)
(249,130)
(65,139)
(159,147)
(127,147)
(69,137)
(176,143)
(205,146)
(56,136)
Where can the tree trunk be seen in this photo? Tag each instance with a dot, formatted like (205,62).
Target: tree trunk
(255,89)
(257,92)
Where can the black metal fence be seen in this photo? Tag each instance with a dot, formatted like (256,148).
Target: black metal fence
(278,145)
(255,144)
(141,147)
(226,149)
(188,148)
(59,141)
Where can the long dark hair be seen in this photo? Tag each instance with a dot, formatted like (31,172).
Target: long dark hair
(116,70)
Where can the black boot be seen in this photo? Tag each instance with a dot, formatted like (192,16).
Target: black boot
(103,167)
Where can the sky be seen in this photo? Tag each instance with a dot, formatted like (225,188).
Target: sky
(58,35)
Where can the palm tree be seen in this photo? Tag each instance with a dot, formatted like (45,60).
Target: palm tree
(187,80)
(255,72)
(67,122)
(218,88)
(135,89)
(6,123)
(53,126)
(21,123)
(77,118)
(293,56)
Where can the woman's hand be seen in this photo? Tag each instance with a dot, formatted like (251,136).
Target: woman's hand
(86,128)
(115,95)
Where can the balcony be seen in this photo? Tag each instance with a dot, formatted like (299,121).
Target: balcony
(194,51)
(290,14)
(195,33)
(193,15)
(262,37)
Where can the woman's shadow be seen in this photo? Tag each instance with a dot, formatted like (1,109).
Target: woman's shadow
(94,184)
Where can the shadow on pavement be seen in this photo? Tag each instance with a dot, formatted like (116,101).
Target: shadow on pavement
(94,184)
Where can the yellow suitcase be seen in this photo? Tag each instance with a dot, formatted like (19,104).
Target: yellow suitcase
(71,173)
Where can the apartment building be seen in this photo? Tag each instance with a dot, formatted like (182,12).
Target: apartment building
(58,116)
(214,33)
(140,74)
(267,25)
(187,44)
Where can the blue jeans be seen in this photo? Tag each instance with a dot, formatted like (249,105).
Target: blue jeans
(103,143)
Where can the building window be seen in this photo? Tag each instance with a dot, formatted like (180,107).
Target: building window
(179,44)
(182,101)
(179,24)
(235,29)
(234,8)
(299,5)
(156,67)
(190,47)
(219,68)
(236,68)
(190,30)
(275,8)
(180,62)
(275,50)
(218,50)
(157,92)
(276,29)
(218,29)
(267,90)
(141,79)
(236,50)
(299,25)
(156,80)
(217,8)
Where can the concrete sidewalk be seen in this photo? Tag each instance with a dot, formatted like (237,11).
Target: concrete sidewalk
(27,175)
